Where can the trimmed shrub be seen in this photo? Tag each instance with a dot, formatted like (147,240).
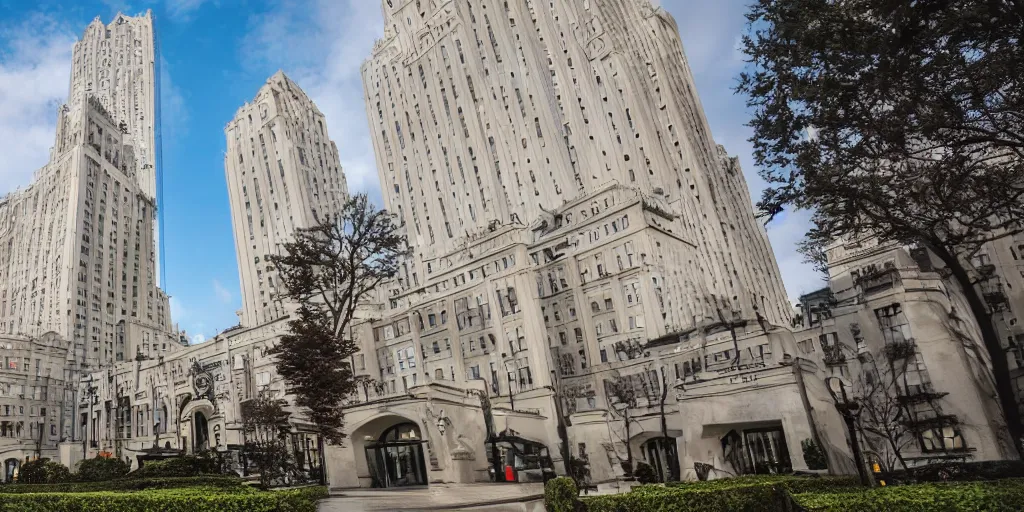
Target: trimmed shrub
(957,472)
(645,474)
(100,469)
(997,496)
(216,483)
(184,466)
(793,484)
(43,471)
(750,498)
(560,495)
(166,500)
(813,456)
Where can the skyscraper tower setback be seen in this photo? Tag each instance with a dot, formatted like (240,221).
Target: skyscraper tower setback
(117,65)
(493,112)
(78,246)
(283,174)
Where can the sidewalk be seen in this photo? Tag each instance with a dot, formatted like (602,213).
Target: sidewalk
(438,497)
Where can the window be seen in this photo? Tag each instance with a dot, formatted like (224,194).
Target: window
(594,307)
(942,440)
(439,372)
(432,320)
(607,304)
(893,323)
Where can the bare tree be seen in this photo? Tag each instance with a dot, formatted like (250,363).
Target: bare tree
(265,429)
(622,395)
(883,416)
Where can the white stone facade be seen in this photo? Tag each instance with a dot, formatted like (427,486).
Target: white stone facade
(78,280)
(283,174)
(116,64)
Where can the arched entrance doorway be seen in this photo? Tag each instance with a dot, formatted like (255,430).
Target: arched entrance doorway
(202,432)
(661,454)
(396,458)
(10,469)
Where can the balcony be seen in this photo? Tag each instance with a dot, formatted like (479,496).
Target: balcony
(898,350)
(833,355)
(878,282)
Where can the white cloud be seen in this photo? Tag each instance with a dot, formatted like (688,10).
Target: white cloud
(321,47)
(222,293)
(183,9)
(178,311)
(35,69)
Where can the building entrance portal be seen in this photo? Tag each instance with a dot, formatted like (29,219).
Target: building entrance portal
(396,459)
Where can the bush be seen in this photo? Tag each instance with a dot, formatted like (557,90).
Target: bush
(166,500)
(560,495)
(100,469)
(645,474)
(957,472)
(792,484)
(179,467)
(43,471)
(216,483)
(953,497)
(813,456)
(750,498)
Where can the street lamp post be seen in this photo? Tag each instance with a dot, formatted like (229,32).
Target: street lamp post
(850,410)
(90,392)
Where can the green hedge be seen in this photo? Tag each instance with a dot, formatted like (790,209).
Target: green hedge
(749,498)
(995,496)
(166,500)
(793,484)
(177,467)
(223,483)
(560,494)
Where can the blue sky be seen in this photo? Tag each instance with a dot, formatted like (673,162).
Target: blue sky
(216,55)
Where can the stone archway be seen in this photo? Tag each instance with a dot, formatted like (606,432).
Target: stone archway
(389,452)
(195,422)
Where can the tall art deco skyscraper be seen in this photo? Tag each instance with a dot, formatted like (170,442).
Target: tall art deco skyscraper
(117,64)
(78,251)
(283,174)
(494,112)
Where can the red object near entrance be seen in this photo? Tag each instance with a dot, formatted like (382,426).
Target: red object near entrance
(510,474)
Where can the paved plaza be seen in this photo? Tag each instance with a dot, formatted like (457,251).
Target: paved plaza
(491,497)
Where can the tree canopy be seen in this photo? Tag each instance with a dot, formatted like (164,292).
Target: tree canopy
(329,270)
(902,121)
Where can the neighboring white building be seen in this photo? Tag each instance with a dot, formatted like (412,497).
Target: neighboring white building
(79,261)
(283,174)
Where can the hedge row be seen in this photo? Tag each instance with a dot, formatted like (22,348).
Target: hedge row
(792,484)
(166,500)
(995,496)
(957,472)
(127,484)
(750,498)
(763,494)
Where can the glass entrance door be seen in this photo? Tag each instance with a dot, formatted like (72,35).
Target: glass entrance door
(396,459)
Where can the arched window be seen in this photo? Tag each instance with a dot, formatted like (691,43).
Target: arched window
(439,374)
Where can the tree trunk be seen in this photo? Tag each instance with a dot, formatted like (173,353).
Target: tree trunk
(1000,368)
(629,448)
